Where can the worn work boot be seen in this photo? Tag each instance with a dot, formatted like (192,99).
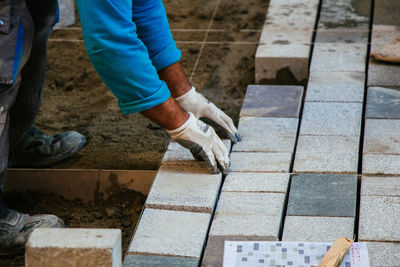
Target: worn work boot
(37,149)
(16,227)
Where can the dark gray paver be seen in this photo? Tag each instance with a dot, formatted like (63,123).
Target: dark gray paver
(150,261)
(387,12)
(383,103)
(323,195)
(272,101)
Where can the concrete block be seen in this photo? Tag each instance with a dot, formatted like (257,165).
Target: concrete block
(317,229)
(67,13)
(338,57)
(343,36)
(267,134)
(343,119)
(383,254)
(327,154)
(381,164)
(256,182)
(172,233)
(248,214)
(379,218)
(151,261)
(74,247)
(336,87)
(272,101)
(283,36)
(323,195)
(260,162)
(188,191)
(382,136)
(385,12)
(380,186)
(383,103)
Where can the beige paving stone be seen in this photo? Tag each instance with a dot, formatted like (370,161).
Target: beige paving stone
(380,186)
(256,182)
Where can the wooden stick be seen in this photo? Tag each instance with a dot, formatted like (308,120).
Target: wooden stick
(336,253)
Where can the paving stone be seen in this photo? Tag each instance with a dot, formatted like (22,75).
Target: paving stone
(382,136)
(174,233)
(342,36)
(386,11)
(323,195)
(272,101)
(380,164)
(256,182)
(267,134)
(260,162)
(248,214)
(74,247)
(317,229)
(383,254)
(151,261)
(283,36)
(338,57)
(341,119)
(336,87)
(329,154)
(383,103)
(176,189)
(67,13)
(379,218)
(380,186)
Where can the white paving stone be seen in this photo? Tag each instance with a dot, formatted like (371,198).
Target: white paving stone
(248,214)
(336,87)
(383,254)
(267,134)
(335,154)
(340,119)
(283,36)
(175,233)
(317,229)
(338,57)
(381,164)
(379,218)
(260,162)
(256,182)
(380,186)
(382,136)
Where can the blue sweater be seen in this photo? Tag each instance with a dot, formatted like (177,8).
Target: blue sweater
(128,41)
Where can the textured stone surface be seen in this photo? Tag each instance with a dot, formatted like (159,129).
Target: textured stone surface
(256,182)
(381,164)
(323,195)
(151,261)
(334,154)
(282,36)
(267,134)
(67,13)
(248,214)
(383,103)
(260,162)
(317,229)
(343,36)
(386,11)
(180,190)
(379,218)
(175,233)
(338,57)
(382,136)
(74,247)
(383,254)
(380,186)
(272,101)
(331,119)
(336,87)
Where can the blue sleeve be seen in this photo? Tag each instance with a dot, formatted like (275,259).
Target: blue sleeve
(153,29)
(119,56)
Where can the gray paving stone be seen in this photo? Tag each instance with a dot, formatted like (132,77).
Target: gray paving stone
(260,162)
(283,36)
(383,103)
(336,87)
(383,254)
(380,186)
(67,13)
(256,182)
(338,57)
(272,101)
(151,261)
(385,12)
(175,233)
(189,191)
(342,36)
(328,154)
(382,136)
(381,164)
(340,119)
(248,214)
(267,134)
(379,218)
(317,229)
(323,195)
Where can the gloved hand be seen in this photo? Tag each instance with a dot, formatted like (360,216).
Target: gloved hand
(203,142)
(196,103)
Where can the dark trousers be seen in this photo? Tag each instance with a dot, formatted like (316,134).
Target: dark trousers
(24,29)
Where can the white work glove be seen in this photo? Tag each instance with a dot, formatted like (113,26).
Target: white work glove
(201,107)
(203,142)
